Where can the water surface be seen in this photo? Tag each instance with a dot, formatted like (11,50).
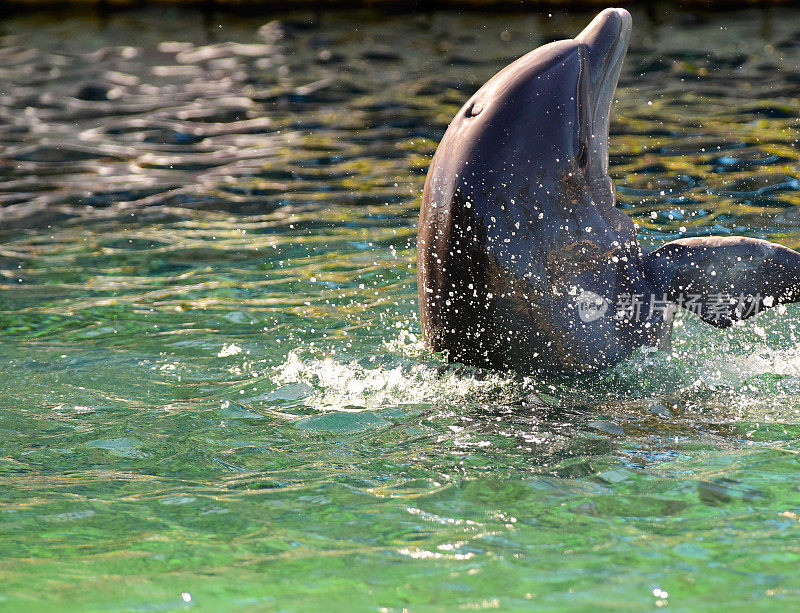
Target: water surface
(212,389)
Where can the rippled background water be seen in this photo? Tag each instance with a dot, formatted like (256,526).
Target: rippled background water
(212,392)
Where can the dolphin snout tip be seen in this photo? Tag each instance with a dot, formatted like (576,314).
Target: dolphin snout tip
(610,25)
(621,15)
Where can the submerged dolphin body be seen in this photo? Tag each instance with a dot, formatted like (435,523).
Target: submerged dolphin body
(524,263)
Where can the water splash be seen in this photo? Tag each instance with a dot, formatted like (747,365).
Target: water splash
(375,382)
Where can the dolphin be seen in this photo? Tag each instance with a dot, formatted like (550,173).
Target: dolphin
(523,261)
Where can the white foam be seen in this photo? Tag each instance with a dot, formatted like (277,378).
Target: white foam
(352,385)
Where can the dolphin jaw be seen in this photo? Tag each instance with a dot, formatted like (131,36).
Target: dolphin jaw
(604,43)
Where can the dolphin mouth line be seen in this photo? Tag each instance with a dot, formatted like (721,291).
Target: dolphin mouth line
(607,83)
(606,42)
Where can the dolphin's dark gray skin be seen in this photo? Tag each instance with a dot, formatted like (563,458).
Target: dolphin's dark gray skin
(523,261)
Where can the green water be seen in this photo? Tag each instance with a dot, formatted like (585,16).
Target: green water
(212,391)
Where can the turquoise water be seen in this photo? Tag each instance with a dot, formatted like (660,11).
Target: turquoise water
(212,390)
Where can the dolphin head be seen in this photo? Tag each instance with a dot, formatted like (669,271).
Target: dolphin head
(543,117)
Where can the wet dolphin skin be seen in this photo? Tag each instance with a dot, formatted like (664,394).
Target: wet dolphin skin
(524,262)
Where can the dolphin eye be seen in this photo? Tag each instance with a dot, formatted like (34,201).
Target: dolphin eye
(583,154)
(474,109)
